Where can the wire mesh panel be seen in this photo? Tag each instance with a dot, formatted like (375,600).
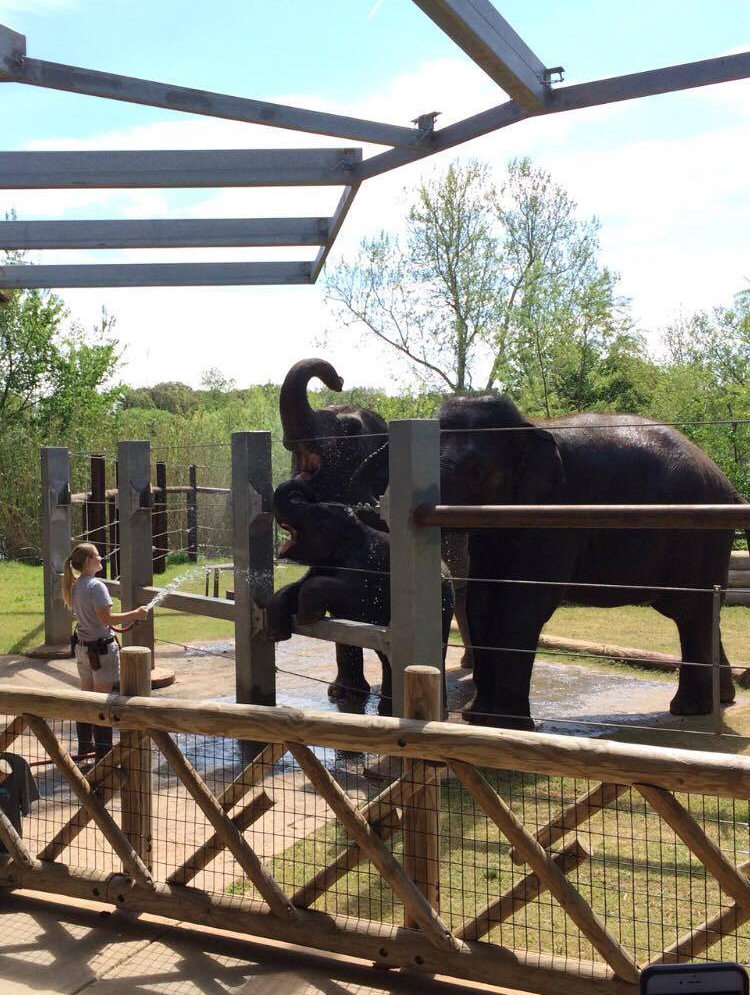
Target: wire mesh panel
(332,831)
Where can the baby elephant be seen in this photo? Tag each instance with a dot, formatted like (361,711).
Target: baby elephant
(349,577)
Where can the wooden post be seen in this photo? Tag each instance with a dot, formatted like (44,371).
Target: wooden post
(114,529)
(252,526)
(192,514)
(423,700)
(97,518)
(56,532)
(136,564)
(717,719)
(135,679)
(416,610)
(160,527)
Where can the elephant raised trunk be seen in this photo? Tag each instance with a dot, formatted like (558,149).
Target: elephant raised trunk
(297,417)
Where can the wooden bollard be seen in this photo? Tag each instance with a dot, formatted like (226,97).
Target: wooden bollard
(423,699)
(135,679)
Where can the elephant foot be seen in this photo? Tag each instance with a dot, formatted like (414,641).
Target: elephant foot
(728,691)
(467,662)
(480,715)
(690,703)
(339,691)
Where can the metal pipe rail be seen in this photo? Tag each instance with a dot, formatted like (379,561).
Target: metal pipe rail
(583,516)
(330,630)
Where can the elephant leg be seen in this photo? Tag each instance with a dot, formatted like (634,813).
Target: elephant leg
(462,620)
(728,690)
(281,607)
(350,675)
(505,620)
(456,555)
(694,690)
(385,705)
(502,677)
(318,596)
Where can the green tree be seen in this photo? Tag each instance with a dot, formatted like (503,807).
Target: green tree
(505,278)
(433,294)
(55,386)
(706,378)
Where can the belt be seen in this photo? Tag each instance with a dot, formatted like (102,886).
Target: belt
(104,641)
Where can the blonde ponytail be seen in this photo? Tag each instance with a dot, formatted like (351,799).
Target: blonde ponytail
(73,567)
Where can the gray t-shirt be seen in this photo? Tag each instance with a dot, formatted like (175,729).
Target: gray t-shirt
(90,593)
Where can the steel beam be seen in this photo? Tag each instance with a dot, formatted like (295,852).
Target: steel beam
(12,51)
(725,69)
(163,234)
(147,169)
(156,275)
(73,79)
(687,76)
(334,226)
(488,39)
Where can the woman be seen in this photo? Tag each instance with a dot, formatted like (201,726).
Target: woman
(97,651)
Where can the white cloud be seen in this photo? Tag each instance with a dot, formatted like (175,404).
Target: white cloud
(675,214)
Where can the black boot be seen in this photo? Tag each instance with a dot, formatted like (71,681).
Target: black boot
(103,740)
(85,738)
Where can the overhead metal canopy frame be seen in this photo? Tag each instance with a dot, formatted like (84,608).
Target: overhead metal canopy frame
(474,25)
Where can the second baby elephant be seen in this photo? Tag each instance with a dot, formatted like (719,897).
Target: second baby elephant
(350,569)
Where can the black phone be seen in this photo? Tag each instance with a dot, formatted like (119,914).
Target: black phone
(695,979)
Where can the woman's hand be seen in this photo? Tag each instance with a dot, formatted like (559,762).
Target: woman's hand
(140,613)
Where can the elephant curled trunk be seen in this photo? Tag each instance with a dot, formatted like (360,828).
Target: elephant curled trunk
(297,417)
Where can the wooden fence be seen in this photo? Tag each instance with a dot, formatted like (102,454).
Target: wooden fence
(442,770)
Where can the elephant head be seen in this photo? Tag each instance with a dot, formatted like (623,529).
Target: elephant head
(321,534)
(327,444)
(490,454)
(4,298)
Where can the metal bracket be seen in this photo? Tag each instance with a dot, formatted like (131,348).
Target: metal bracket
(12,52)
(258,618)
(384,506)
(59,494)
(554,75)
(140,499)
(254,503)
(425,123)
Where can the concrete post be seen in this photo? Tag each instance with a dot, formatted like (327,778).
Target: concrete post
(252,525)
(414,478)
(136,543)
(56,532)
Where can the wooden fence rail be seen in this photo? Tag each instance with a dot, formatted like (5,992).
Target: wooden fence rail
(434,751)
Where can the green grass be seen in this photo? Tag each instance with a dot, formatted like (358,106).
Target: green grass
(639,627)
(22,605)
(22,619)
(639,878)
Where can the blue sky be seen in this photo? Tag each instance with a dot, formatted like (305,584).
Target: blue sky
(667,176)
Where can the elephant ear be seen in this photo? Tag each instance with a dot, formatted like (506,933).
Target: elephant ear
(541,469)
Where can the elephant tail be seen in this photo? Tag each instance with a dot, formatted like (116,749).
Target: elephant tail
(739,499)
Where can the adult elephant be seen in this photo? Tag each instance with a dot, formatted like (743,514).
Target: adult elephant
(491,454)
(349,575)
(328,445)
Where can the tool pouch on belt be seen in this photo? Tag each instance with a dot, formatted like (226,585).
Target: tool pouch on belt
(94,661)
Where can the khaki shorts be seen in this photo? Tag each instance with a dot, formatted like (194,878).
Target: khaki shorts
(107,674)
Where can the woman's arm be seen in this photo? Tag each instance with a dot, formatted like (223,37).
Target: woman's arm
(107,617)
